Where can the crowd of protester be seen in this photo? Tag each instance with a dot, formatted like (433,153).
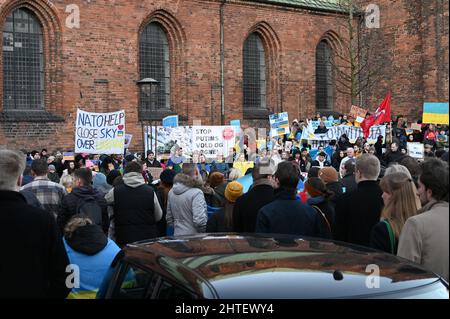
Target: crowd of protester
(57,212)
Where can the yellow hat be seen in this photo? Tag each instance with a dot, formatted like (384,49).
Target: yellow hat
(233,191)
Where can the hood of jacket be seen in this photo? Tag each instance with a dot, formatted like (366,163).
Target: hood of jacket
(85,192)
(89,240)
(133,180)
(182,183)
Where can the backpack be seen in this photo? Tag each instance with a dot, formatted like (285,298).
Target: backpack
(89,208)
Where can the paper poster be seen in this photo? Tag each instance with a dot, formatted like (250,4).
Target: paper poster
(100,133)
(279,124)
(415,150)
(213,140)
(68,156)
(128,139)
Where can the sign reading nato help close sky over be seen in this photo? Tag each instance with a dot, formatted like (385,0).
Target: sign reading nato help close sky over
(100,133)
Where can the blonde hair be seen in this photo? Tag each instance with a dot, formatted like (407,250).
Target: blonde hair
(66,181)
(397,168)
(234,174)
(74,224)
(403,203)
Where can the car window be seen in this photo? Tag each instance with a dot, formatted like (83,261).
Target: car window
(169,291)
(134,283)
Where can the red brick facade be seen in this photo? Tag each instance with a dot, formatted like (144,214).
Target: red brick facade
(95,67)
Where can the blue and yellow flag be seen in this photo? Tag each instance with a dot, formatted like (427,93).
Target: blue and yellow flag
(435,113)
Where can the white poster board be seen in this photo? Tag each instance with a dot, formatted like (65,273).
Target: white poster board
(415,150)
(100,133)
(213,140)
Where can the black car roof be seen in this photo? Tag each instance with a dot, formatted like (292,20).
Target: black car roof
(274,266)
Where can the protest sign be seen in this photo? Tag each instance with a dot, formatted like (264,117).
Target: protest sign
(213,140)
(352,133)
(288,146)
(315,124)
(279,124)
(68,156)
(128,138)
(415,150)
(237,125)
(170,121)
(435,113)
(100,133)
(416,127)
(162,139)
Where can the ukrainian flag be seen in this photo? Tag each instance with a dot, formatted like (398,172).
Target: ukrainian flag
(435,113)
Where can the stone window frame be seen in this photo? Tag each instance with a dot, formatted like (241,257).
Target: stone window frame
(273,72)
(176,42)
(46,14)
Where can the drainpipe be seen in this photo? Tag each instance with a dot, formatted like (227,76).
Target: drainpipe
(222,64)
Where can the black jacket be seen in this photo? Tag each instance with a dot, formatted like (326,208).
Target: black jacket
(349,183)
(31,199)
(154,164)
(34,258)
(287,215)
(316,163)
(379,238)
(216,224)
(70,202)
(248,205)
(336,161)
(336,188)
(321,205)
(134,214)
(357,213)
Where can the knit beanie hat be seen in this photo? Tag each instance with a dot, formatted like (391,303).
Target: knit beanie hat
(313,192)
(216,179)
(328,175)
(233,191)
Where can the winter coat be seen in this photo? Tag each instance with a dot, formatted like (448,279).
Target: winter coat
(248,205)
(287,215)
(34,259)
(31,199)
(186,207)
(317,163)
(349,183)
(155,163)
(93,253)
(216,223)
(357,213)
(323,206)
(163,194)
(136,210)
(54,177)
(379,238)
(70,203)
(424,238)
(336,188)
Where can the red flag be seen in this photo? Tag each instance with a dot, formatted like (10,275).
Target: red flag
(381,115)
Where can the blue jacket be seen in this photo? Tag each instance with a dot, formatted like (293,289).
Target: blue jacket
(286,215)
(93,253)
